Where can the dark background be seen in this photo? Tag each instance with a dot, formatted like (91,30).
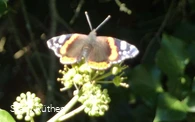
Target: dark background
(161,78)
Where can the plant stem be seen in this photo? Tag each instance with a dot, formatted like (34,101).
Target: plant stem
(104,76)
(65,109)
(72,113)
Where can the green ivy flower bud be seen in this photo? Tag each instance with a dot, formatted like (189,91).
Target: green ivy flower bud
(117,80)
(115,70)
(27,118)
(84,68)
(22,95)
(78,79)
(68,84)
(19,117)
(18,99)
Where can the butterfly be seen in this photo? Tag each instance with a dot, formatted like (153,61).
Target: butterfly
(99,52)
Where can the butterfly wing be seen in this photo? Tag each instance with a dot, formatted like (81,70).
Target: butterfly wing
(121,50)
(98,57)
(109,51)
(104,52)
(68,47)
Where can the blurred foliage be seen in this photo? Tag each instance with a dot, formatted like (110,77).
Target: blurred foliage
(5,116)
(3,7)
(161,78)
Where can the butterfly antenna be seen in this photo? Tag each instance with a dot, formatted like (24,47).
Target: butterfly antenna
(88,20)
(105,20)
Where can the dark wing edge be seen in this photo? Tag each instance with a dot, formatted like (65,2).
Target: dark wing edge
(55,43)
(125,50)
(67,46)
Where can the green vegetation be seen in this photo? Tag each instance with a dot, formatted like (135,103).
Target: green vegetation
(156,86)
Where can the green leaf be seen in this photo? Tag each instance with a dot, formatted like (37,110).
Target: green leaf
(142,113)
(193,85)
(192,5)
(191,52)
(179,86)
(3,6)
(172,57)
(5,116)
(185,31)
(145,82)
(169,109)
(190,102)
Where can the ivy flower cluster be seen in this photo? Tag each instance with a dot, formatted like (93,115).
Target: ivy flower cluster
(88,83)
(27,106)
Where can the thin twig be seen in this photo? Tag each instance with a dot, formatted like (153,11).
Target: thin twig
(29,29)
(64,23)
(51,78)
(53,17)
(19,43)
(123,7)
(39,23)
(165,21)
(52,33)
(77,11)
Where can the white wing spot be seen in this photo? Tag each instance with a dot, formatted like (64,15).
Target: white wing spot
(49,44)
(123,45)
(133,50)
(124,52)
(54,39)
(61,39)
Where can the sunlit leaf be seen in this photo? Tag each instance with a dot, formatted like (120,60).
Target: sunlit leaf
(172,57)
(179,87)
(190,102)
(169,109)
(5,116)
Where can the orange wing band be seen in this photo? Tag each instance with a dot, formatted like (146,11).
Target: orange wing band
(99,65)
(63,49)
(114,53)
(67,60)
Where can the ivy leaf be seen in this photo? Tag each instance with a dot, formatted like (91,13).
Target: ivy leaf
(146,82)
(169,109)
(172,57)
(190,102)
(191,52)
(3,6)
(185,30)
(5,116)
